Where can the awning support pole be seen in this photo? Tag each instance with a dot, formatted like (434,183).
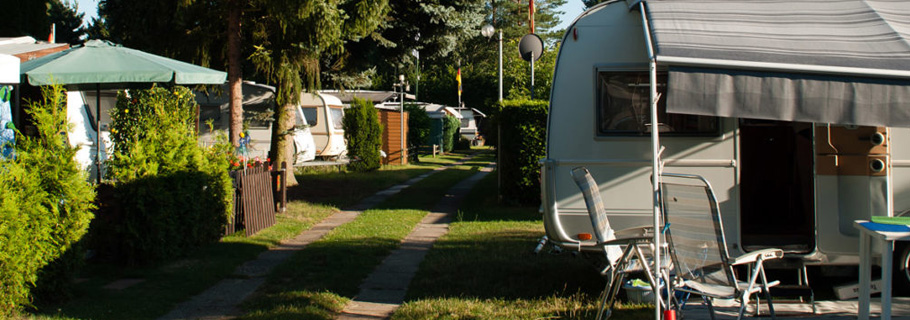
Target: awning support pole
(655,163)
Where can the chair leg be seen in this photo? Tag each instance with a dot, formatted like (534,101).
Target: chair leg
(608,295)
(767,292)
(602,306)
(710,307)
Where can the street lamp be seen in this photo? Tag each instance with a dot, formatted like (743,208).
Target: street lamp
(487,31)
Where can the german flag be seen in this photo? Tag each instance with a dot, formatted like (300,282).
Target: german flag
(458,78)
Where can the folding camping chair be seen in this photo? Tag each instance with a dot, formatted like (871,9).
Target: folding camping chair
(698,248)
(619,260)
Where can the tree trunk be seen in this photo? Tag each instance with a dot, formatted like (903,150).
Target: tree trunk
(235,72)
(281,140)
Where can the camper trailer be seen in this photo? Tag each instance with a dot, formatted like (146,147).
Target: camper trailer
(323,113)
(800,129)
(258,109)
(81,112)
(470,125)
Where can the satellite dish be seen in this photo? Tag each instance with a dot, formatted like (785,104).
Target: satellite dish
(530,45)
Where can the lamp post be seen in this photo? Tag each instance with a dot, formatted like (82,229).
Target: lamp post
(487,31)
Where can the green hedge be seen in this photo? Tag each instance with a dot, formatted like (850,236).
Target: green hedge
(450,132)
(363,132)
(524,126)
(172,195)
(45,203)
(418,129)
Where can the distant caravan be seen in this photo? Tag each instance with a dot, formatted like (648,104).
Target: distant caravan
(258,106)
(324,114)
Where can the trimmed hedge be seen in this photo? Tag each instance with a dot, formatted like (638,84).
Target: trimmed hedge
(524,126)
(363,132)
(418,129)
(45,203)
(450,132)
(171,194)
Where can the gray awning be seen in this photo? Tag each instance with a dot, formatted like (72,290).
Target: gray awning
(827,61)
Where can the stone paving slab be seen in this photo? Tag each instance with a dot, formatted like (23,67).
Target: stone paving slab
(221,300)
(383,291)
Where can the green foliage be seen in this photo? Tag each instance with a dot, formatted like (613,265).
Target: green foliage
(524,124)
(45,202)
(68,20)
(364,135)
(450,127)
(418,128)
(173,195)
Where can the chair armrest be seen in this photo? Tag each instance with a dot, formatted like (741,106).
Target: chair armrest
(764,254)
(627,241)
(638,231)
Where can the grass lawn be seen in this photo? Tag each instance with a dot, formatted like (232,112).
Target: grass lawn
(163,286)
(484,268)
(317,282)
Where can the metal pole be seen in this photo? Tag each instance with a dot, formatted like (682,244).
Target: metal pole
(655,164)
(500,65)
(98,131)
(532,75)
(16,115)
(401,119)
(499,128)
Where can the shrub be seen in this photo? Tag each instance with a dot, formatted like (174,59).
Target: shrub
(364,135)
(524,124)
(450,133)
(172,194)
(462,144)
(418,129)
(45,202)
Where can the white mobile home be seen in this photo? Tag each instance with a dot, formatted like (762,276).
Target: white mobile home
(324,114)
(796,112)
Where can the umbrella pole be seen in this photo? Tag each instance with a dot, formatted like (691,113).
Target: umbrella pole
(98,131)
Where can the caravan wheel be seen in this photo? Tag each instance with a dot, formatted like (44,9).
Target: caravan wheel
(901,278)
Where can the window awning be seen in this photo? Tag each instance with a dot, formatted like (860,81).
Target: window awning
(825,61)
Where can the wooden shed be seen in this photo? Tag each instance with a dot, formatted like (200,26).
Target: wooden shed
(391,120)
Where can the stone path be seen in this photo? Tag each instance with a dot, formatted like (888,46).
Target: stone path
(221,300)
(383,291)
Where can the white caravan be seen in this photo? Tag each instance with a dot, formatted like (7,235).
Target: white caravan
(80,112)
(790,110)
(324,113)
(258,107)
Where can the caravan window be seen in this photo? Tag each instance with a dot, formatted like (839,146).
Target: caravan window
(337,115)
(310,114)
(623,107)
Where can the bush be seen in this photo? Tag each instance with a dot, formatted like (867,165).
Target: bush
(364,135)
(418,129)
(463,144)
(45,202)
(172,194)
(524,124)
(450,133)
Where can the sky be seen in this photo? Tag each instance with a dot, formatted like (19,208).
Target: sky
(571,9)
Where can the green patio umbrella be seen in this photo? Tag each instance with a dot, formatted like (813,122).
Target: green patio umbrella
(101,64)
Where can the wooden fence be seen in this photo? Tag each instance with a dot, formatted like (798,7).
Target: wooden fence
(254,202)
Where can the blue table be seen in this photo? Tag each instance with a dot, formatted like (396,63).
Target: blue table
(886,234)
